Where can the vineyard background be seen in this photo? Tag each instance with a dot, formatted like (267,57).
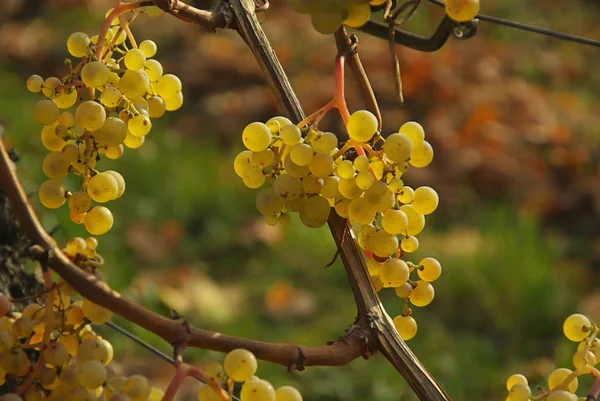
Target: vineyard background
(515,122)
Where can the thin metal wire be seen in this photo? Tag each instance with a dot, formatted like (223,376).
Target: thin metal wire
(150,348)
(529,28)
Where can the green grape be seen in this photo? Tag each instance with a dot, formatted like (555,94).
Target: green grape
(34,83)
(396,185)
(256,136)
(519,378)
(51,140)
(394,221)
(206,393)
(317,208)
(90,115)
(139,125)
(556,378)
(360,211)
(168,86)
(55,166)
(583,358)
(312,184)
(394,273)
(577,327)
(406,326)
(120,182)
(430,269)
(301,154)
(283,121)
(295,170)
(327,22)
(349,190)
(156,107)
(102,187)
(241,161)
(287,187)
(421,155)
(45,112)
(341,207)
(330,187)
(422,294)
(397,147)
(111,96)
(404,290)
(257,390)
(114,152)
(409,244)
(154,69)
(134,59)
(80,202)
(92,374)
(136,387)
(426,200)
(132,141)
(362,125)
(148,47)
(519,392)
(174,103)
(325,142)
(112,133)
(98,220)
(414,131)
(365,180)
(287,393)
(50,85)
(240,364)
(56,354)
(253,177)
(134,83)
(273,125)
(94,74)
(78,44)
(406,195)
(358,14)
(361,163)
(346,170)
(383,244)
(269,203)
(416,221)
(462,10)
(290,134)
(373,266)
(65,98)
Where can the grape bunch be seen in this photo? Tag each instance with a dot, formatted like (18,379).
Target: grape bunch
(328,15)
(310,173)
(107,101)
(563,382)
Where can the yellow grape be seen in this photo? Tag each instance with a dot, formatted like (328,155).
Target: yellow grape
(409,244)
(65,98)
(269,203)
(422,294)
(154,69)
(111,96)
(287,187)
(256,136)
(34,83)
(394,221)
(301,154)
(373,266)
(383,244)
(156,394)
(341,207)
(77,218)
(45,112)
(365,180)
(414,131)
(404,290)
(406,326)
(360,211)
(421,155)
(396,185)
(55,166)
(22,327)
(102,187)
(90,115)
(94,74)
(240,364)
(312,184)
(326,22)
(112,133)
(75,246)
(577,327)
(394,273)
(517,378)
(462,10)
(50,86)
(556,378)
(317,208)
(98,220)
(295,170)
(429,269)
(358,14)
(148,47)
(346,170)
(519,392)
(52,194)
(56,354)
(78,44)
(51,140)
(134,59)
(361,163)
(139,125)
(136,387)
(583,358)
(134,83)
(242,161)
(257,390)
(114,152)
(253,177)
(290,134)
(348,189)
(132,141)
(406,195)
(397,147)
(362,125)
(92,349)
(168,86)
(207,393)
(416,221)
(325,142)
(120,182)
(426,200)
(92,374)
(287,393)
(330,187)
(174,102)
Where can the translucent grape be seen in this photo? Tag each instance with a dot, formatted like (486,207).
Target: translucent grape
(55,166)
(257,390)
(394,273)
(56,354)
(397,147)
(583,358)
(168,86)
(65,98)
(134,83)
(148,47)
(34,83)
(362,125)
(406,326)
(287,393)
(577,327)
(156,107)
(240,364)
(282,121)
(94,74)
(430,269)
(98,220)
(22,327)
(293,169)
(325,142)
(414,131)
(92,349)
(365,180)
(133,142)
(111,96)
(139,125)
(120,182)
(346,170)
(349,190)
(406,195)
(373,267)
(358,14)
(404,290)
(559,395)
(409,244)
(330,187)
(341,207)
(136,387)
(312,184)
(207,393)
(134,59)
(290,135)
(462,10)
(92,374)
(90,115)
(326,22)
(394,221)
(321,165)
(174,103)
(50,140)
(253,177)
(422,294)
(421,155)
(269,203)
(78,44)
(360,211)
(556,378)
(383,244)
(102,187)
(52,194)
(519,392)
(154,69)
(426,200)
(112,133)
(241,161)
(317,208)
(50,85)
(287,187)
(362,164)
(416,221)
(45,112)
(256,136)
(301,154)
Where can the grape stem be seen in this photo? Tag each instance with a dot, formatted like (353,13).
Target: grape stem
(183,370)
(120,9)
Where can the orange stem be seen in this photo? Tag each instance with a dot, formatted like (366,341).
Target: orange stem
(120,9)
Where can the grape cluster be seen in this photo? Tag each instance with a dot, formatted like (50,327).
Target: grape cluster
(328,15)
(563,382)
(124,88)
(309,173)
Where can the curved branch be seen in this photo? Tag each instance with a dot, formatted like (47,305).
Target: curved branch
(293,356)
(209,19)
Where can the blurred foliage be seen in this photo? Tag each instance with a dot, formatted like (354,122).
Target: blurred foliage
(514,119)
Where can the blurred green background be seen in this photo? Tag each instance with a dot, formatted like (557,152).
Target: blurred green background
(514,119)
